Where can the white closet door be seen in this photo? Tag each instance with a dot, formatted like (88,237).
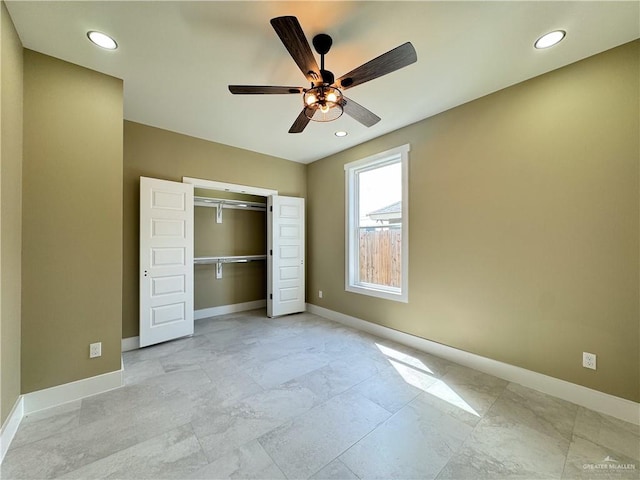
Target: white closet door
(166,260)
(285,260)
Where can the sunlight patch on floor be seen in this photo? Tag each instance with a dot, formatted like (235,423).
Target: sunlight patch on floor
(444,392)
(404,358)
(416,373)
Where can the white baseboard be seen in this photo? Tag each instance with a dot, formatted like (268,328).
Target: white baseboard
(600,402)
(130,343)
(225,309)
(52,397)
(10,426)
(133,343)
(68,392)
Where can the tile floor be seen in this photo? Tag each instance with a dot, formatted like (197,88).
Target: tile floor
(303,397)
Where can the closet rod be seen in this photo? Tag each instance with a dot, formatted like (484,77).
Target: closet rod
(228,203)
(228,259)
(220,203)
(219,261)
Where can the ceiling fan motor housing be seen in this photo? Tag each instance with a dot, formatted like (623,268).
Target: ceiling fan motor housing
(327,77)
(322,43)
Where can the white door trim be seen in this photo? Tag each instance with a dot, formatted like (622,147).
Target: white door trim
(228,187)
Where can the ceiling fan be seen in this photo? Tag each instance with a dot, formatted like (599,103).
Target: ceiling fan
(324,101)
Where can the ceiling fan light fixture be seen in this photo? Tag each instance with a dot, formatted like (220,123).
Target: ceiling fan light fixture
(326,100)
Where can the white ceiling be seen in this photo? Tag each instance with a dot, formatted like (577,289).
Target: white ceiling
(177,58)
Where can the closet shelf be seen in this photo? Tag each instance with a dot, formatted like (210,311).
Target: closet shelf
(220,203)
(228,259)
(219,261)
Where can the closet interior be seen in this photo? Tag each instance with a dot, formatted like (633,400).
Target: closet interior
(230,242)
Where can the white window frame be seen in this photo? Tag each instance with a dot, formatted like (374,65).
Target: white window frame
(394,155)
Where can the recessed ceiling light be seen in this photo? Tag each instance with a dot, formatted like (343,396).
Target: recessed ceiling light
(341,133)
(550,39)
(102,40)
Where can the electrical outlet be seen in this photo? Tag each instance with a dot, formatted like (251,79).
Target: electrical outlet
(589,360)
(95,350)
(319,293)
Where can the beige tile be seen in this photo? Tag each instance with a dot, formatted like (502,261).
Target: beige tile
(416,442)
(249,461)
(304,445)
(336,470)
(587,460)
(283,369)
(300,395)
(45,423)
(175,454)
(62,453)
(519,405)
(393,388)
(507,451)
(609,432)
(222,430)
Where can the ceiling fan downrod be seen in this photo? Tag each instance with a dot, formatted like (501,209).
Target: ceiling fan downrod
(323,101)
(322,43)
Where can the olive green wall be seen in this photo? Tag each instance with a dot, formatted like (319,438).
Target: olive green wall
(10,213)
(524,225)
(72,222)
(157,153)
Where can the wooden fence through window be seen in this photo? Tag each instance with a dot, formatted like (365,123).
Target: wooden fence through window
(380,256)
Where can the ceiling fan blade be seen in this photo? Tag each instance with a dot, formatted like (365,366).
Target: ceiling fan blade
(359,113)
(262,90)
(300,123)
(388,62)
(292,36)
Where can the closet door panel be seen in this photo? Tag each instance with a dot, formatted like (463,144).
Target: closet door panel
(166,260)
(285,267)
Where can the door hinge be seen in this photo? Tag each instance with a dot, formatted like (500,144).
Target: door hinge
(271,296)
(271,208)
(271,252)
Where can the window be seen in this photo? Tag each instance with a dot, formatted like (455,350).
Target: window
(377,226)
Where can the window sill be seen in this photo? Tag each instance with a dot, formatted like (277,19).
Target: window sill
(396,296)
